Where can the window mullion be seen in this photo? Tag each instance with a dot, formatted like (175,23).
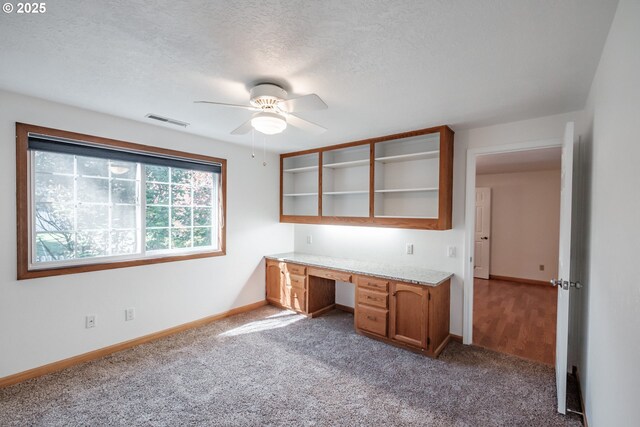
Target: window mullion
(170,180)
(193,204)
(109,210)
(142,209)
(75,207)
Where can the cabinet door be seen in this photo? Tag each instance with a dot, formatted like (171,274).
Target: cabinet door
(275,281)
(408,314)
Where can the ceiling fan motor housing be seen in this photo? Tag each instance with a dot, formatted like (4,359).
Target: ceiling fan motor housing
(267,96)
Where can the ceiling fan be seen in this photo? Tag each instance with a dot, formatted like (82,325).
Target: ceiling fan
(273,111)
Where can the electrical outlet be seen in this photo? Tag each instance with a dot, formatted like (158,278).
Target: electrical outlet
(309,239)
(541,267)
(451,251)
(409,248)
(129,314)
(90,321)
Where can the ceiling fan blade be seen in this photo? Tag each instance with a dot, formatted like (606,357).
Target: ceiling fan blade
(304,124)
(243,129)
(246,107)
(304,103)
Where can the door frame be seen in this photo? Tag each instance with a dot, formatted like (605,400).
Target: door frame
(469,219)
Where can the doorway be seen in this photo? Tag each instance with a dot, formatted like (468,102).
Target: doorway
(517,220)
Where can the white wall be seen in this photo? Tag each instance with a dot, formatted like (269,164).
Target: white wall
(430,247)
(525,223)
(611,296)
(42,320)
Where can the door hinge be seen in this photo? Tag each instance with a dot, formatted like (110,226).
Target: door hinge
(429,296)
(428,341)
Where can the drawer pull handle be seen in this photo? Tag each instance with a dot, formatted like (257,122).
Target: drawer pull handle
(371,317)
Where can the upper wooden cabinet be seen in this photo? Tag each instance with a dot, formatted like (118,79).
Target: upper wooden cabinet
(403,180)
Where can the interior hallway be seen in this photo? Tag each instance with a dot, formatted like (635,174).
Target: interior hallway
(515,318)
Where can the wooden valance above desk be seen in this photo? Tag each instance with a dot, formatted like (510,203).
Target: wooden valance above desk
(402,305)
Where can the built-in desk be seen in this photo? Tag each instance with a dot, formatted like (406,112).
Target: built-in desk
(402,305)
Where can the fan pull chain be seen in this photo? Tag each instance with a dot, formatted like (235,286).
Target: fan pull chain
(264,150)
(253,143)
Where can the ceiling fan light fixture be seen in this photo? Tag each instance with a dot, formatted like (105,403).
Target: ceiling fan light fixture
(268,123)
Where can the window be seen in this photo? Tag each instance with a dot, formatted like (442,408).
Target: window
(86,203)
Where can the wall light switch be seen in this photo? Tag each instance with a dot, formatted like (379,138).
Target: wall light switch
(309,239)
(451,251)
(409,248)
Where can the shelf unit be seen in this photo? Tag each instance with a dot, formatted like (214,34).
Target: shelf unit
(403,180)
(345,182)
(299,186)
(406,178)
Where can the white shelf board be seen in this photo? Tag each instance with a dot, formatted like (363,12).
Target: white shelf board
(407,190)
(303,169)
(337,193)
(408,157)
(300,194)
(404,216)
(346,164)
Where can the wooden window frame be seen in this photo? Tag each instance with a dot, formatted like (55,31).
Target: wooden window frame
(23,194)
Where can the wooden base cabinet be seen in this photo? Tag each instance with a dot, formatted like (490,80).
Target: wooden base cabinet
(411,316)
(407,315)
(294,287)
(287,285)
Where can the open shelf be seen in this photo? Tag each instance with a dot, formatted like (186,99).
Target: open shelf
(408,157)
(407,190)
(339,193)
(348,164)
(346,182)
(300,185)
(300,194)
(302,169)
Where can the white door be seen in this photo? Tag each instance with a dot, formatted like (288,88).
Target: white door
(564,265)
(482,237)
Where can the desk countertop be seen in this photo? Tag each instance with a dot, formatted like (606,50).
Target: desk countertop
(403,273)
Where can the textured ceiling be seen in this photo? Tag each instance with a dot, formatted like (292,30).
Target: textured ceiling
(381,66)
(520,161)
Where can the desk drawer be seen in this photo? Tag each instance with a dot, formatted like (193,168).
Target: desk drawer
(373,320)
(330,274)
(373,298)
(298,281)
(296,269)
(380,285)
(295,298)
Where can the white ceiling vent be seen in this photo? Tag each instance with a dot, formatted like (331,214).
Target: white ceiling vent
(167,120)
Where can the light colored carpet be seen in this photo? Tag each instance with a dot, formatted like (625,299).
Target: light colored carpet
(273,367)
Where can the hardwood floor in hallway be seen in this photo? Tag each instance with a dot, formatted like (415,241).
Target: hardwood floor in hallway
(515,318)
